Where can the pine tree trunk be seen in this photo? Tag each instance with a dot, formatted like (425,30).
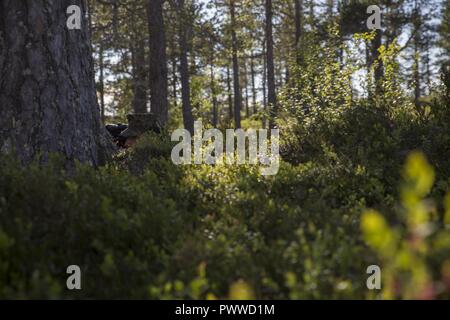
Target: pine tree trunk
(247,109)
(158,61)
(264,84)
(298,30)
(101,84)
(272,99)
(174,75)
(188,119)
(375,55)
(417,46)
(213,93)
(252,71)
(236,84)
(230,97)
(417,78)
(47,93)
(139,79)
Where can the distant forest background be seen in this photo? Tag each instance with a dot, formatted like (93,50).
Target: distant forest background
(224,63)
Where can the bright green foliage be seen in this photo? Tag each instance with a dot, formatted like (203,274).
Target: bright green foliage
(409,249)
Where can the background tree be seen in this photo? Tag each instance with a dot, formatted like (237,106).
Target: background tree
(158,61)
(272,99)
(183,27)
(235,60)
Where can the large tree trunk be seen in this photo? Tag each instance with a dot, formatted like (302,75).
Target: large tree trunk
(237,86)
(47,92)
(158,61)
(272,99)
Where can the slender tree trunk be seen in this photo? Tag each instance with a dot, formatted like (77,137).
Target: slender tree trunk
(341,38)
(174,75)
(252,71)
(272,99)
(417,82)
(236,78)
(247,110)
(158,61)
(369,78)
(312,14)
(298,25)
(47,91)
(428,64)
(213,92)
(417,36)
(264,84)
(102,82)
(188,119)
(139,80)
(115,19)
(375,58)
(373,61)
(174,81)
(230,97)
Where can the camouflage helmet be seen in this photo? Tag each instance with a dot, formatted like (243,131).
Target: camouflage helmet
(139,123)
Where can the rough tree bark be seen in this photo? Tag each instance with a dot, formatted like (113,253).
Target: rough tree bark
(158,61)
(47,92)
